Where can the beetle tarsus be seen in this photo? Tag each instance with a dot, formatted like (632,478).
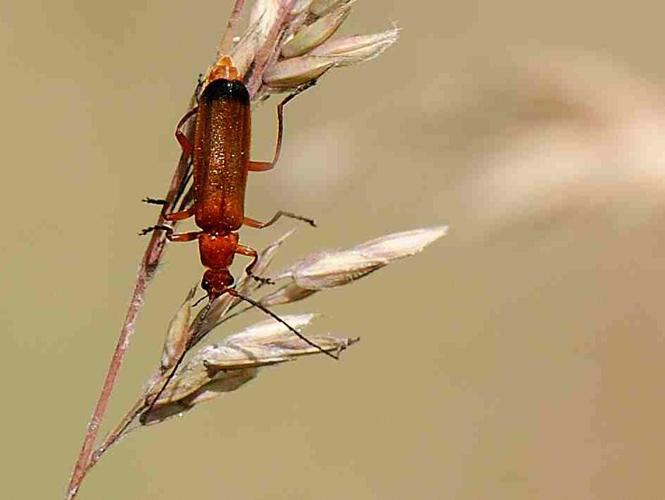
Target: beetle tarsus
(304,219)
(260,279)
(150,229)
(154,201)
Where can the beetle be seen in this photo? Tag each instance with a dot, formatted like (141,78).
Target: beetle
(220,164)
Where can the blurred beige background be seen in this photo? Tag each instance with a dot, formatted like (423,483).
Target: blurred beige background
(521,357)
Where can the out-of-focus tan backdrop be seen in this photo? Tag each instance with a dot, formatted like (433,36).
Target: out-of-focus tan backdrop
(521,357)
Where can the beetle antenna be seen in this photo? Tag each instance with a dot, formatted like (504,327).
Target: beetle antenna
(199,301)
(151,403)
(277,318)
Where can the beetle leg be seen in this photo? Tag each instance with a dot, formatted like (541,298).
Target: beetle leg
(181,237)
(260,225)
(170,235)
(262,166)
(250,252)
(199,86)
(182,215)
(154,201)
(185,143)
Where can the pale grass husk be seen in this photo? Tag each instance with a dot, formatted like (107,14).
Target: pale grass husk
(228,365)
(303,49)
(333,268)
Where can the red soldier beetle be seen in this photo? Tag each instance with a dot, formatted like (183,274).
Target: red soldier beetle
(220,163)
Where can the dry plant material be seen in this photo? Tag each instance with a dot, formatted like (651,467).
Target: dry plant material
(287,44)
(226,366)
(332,268)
